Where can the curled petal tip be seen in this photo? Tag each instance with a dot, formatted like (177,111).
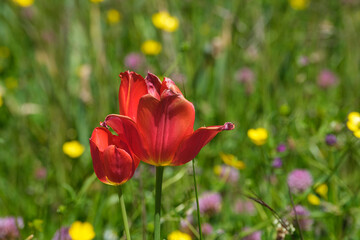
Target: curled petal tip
(103,124)
(228,126)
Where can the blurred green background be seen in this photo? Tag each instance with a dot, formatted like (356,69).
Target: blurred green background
(292,70)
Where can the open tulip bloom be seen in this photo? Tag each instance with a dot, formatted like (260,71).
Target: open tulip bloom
(155,126)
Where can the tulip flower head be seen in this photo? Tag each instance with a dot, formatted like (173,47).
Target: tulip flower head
(159,121)
(113,162)
(155,125)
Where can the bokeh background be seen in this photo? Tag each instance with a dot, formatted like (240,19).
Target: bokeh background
(290,67)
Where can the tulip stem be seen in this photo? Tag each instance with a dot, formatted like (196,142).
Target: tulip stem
(197,200)
(123,213)
(158,188)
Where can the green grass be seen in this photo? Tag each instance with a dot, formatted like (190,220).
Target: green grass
(51,40)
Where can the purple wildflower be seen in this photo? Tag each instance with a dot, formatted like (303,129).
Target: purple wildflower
(303,61)
(210,203)
(277,162)
(299,180)
(184,223)
(281,148)
(326,79)
(330,139)
(253,236)
(244,206)
(134,61)
(206,228)
(40,173)
(62,234)
(9,227)
(229,174)
(245,75)
(303,216)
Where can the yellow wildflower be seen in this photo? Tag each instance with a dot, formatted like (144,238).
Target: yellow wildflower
(73,149)
(113,16)
(151,47)
(1,101)
(81,231)
(24,3)
(163,20)
(96,1)
(322,190)
(353,123)
(258,136)
(313,199)
(4,52)
(11,83)
(232,160)
(357,133)
(299,4)
(177,235)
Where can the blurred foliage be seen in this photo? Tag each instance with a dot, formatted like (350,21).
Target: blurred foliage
(59,62)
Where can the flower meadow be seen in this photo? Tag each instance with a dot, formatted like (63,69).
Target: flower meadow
(179,120)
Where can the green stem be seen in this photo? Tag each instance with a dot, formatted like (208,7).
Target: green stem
(123,213)
(158,188)
(333,185)
(197,200)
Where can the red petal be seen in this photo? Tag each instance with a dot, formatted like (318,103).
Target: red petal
(118,165)
(163,125)
(194,143)
(153,84)
(128,132)
(168,84)
(98,143)
(132,88)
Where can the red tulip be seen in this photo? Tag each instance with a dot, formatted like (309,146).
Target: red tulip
(158,121)
(114,163)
